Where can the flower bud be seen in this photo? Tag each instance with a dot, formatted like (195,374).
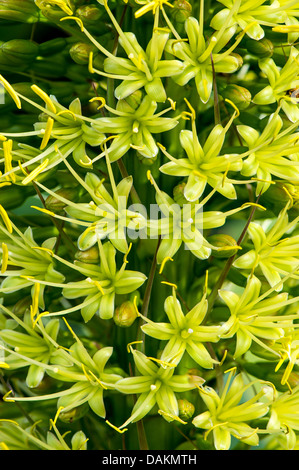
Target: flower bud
(24,11)
(21,306)
(186,409)
(53,46)
(239,95)
(90,256)
(222,240)
(125,314)
(74,414)
(80,52)
(178,194)
(262,48)
(131,101)
(89,13)
(18,52)
(181,10)
(54,204)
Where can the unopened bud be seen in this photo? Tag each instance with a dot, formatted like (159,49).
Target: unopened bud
(262,48)
(90,256)
(21,306)
(80,52)
(89,13)
(74,414)
(224,242)
(178,194)
(18,52)
(239,95)
(24,11)
(131,101)
(55,204)
(181,10)
(125,314)
(186,409)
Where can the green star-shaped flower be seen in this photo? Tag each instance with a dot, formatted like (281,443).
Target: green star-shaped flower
(102,283)
(184,332)
(254,317)
(133,125)
(280,82)
(271,255)
(157,384)
(196,57)
(228,416)
(271,153)
(203,164)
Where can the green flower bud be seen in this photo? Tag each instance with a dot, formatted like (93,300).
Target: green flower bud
(18,52)
(55,204)
(125,314)
(89,13)
(262,48)
(239,95)
(74,414)
(90,256)
(222,240)
(21,306)
(80,52)
(178,194)
(181,10)
(53,46)
(186,409)
(24,11)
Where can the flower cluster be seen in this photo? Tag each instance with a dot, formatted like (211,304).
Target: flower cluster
(149,225)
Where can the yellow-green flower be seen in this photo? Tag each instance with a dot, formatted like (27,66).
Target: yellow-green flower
(281,80)
(30,344)
(249,15)
(133,125)
(156,384)
(15,436)
(203,165)
(196,52)
(272,153)
(89,375)
(184,332)
(272,253)
(284,411)
(254,317)
(229,414)
(102,283)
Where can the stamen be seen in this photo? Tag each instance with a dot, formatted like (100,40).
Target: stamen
(170,415)
(121,431)
(7,148)
(11,91)
(47,133)
(46,98)
(78,21)
(169,284)
(100,99)
(5,219)
(129,349)
(167,258)
(35,172)
(4,257)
